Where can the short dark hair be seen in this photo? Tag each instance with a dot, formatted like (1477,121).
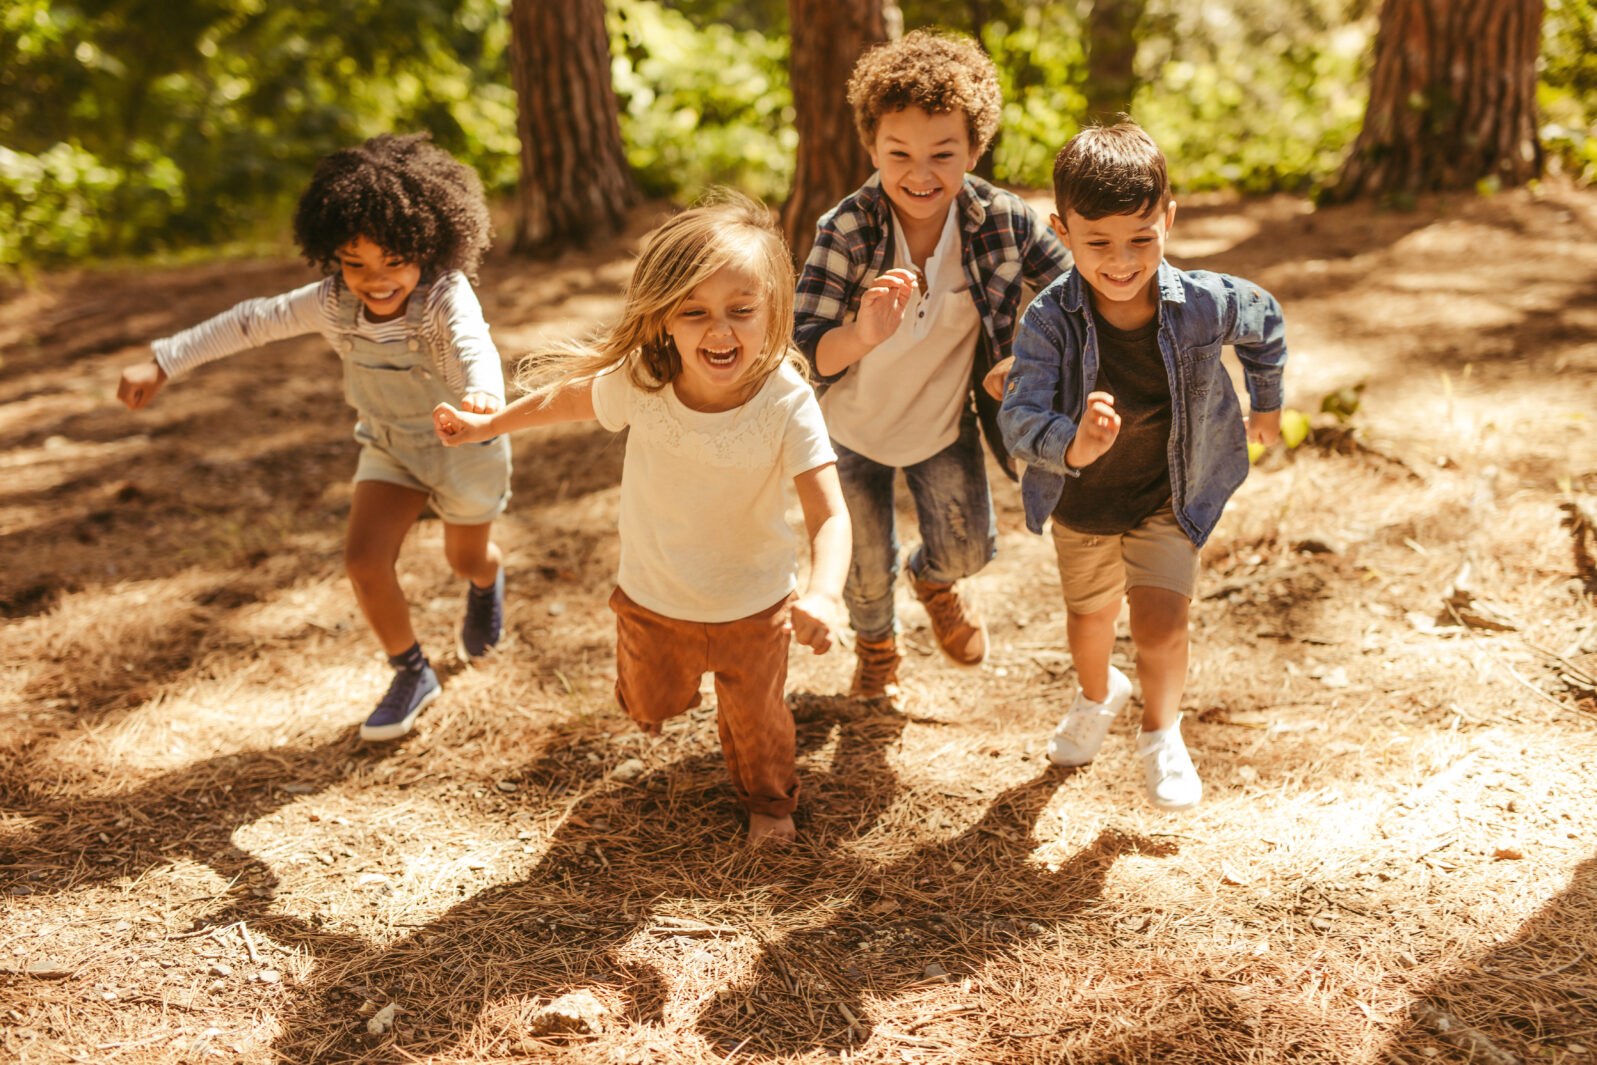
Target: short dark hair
(1105,170)
(404,194)
(940,73)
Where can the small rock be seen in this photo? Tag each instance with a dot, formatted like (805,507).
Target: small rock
(21,889)
(507,785)
(579,1013)
(383,1019)
(221,968)
(631,769)
(1508,852)
(933,971)
(269,976)
(1335,678)
(1323,924)
(556,609)
(218,985)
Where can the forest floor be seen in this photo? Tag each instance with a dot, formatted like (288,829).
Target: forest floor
(1390,703)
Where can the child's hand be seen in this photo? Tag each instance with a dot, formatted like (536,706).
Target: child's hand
(997,377)
(1264,428)
(480,403)
(140,383)
(1098,429)
(881,309)
(456,427)
(814,621)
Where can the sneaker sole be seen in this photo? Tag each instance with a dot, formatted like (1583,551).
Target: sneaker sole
(378,733)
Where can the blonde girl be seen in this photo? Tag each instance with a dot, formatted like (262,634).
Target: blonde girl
(702,369)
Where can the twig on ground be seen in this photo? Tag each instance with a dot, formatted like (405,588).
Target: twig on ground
(1576,960)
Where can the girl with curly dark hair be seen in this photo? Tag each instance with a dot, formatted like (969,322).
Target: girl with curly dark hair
(398,227)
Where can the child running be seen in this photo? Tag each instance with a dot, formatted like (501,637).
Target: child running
(1132,436)
(908,300)
(399,226)
(702,368)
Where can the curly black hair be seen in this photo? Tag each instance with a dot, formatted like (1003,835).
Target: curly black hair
(404,194)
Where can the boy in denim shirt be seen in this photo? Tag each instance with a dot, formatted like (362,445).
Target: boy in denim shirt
(908,299)
(1132,436)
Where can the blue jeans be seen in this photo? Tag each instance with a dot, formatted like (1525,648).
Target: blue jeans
(959,532)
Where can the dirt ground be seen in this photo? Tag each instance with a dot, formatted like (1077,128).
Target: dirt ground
(1390,703)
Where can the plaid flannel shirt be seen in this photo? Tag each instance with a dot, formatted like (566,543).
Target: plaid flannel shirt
(1004,249)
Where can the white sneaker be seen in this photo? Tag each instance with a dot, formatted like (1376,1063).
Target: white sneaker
(1081,733)
(1167,770)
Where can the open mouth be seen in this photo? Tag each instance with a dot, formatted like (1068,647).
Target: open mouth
(721,358)
(922,194)
(382,297)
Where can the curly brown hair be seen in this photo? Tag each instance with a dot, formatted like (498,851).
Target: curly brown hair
(939,73)
(404,194)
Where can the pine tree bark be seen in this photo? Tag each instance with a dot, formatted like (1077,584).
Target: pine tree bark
(1452,100)
(575,186)
(1111,57)
(826,38)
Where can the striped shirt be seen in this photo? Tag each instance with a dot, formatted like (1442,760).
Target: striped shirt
(452,327)
(1004,249)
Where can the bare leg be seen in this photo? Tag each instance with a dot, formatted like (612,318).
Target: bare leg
(1159,629)
(471,552)
(379,518)
(1092,638)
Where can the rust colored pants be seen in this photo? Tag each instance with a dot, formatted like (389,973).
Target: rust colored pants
(659,662)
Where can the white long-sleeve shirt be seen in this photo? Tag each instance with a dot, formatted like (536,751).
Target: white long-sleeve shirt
(452,328)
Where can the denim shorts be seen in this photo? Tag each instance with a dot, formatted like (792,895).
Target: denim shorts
(467,485)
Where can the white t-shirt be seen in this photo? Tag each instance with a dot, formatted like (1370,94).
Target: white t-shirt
(704,530)
(902,403)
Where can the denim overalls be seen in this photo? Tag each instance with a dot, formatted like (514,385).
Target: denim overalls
(394,387)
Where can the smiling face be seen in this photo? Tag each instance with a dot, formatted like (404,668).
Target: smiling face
(719,332)
(381,281)
(923,159)
(1118,256)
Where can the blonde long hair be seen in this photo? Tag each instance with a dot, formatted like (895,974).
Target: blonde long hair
(725,229)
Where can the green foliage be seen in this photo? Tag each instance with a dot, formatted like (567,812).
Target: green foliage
(1567,95)
(136,125)
(702,106)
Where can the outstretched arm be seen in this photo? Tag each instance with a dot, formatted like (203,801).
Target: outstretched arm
(571,402)
(818,614)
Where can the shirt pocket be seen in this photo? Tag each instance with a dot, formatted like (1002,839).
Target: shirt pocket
(1203,368)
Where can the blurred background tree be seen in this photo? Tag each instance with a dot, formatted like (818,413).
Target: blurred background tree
(575,185)
(136,126)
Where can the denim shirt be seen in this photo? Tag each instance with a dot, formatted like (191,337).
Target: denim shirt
(1004,248)
(1056,366)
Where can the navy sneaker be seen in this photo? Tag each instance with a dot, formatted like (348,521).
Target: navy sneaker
(485,616)
(410,691)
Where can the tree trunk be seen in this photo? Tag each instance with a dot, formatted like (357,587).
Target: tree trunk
(1112,57)
(575,186)
(1452,99)
(827,36)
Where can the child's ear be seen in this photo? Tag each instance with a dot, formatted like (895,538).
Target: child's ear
(1059,227)
(1170,216)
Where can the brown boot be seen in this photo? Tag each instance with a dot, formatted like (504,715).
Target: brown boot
(957,624)
(876,670)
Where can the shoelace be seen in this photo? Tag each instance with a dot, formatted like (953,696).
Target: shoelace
(877,667)
(401,691)
(946,609)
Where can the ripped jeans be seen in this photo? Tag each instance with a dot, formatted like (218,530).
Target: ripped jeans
(959,533)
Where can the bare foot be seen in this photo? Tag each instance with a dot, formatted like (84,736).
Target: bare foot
(764,828)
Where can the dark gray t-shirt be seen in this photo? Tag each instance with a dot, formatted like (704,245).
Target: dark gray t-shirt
(1131,480)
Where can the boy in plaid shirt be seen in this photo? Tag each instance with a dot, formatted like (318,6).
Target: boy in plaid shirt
(908,300)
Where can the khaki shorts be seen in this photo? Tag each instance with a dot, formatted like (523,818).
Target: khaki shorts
(1095,571)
